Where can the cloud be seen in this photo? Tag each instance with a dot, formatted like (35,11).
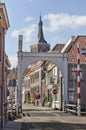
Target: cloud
(28,19)
(25,31)
(61,21)
(54,23)
(55,38)
(15,33)
(13,60)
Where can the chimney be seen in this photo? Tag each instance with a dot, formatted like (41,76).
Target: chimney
(20,40)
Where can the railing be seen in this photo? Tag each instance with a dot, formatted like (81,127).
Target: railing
(72,108)
(11,112)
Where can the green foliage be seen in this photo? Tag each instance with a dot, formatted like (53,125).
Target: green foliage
(45,98)
(51,99)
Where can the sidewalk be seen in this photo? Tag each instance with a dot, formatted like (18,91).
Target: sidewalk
(16,124)
(35,107)
(12,125)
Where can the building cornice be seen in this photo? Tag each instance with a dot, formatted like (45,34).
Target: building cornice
(4,17)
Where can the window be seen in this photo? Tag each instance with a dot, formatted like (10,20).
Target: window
(73,74)
(55,71)
(71,96)
(32,79)
(36,75)
(72,91)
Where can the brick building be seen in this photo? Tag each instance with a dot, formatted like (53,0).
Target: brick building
(71,49)
(4,25)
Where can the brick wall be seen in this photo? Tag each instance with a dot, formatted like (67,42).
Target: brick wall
(72,53)
(72,60)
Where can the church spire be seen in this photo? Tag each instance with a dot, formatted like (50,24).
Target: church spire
(40,32)
(40,44)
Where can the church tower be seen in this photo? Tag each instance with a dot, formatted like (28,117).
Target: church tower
(40,44)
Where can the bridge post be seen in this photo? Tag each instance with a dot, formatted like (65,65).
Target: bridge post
(65,83)
(19,88)
(26,58)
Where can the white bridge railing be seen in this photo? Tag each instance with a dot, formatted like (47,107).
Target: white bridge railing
(71,108)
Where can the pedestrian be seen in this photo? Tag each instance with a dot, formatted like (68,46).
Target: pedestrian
(37,102)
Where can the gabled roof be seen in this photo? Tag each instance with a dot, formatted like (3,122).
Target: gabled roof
(26,72)
(68,44)
(7,62)
(58,47)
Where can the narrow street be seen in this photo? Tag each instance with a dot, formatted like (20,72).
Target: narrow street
(44,120)
(41,118)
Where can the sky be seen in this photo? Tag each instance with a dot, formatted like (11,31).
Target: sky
(61,20)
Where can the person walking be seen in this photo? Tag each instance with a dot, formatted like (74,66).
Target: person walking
(37,102)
